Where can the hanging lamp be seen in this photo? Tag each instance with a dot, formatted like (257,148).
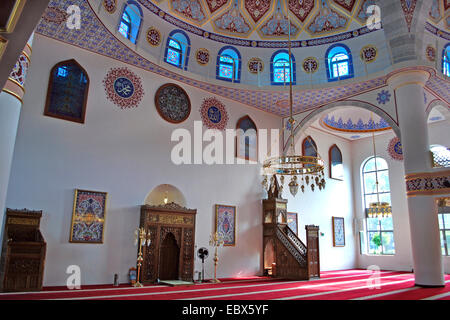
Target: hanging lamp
(377,209)
(309,168)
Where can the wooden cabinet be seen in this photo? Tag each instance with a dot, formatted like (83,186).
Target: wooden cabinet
(23,252)
(170,255)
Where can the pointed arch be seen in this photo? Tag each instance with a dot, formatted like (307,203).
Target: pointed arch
(336,166)
(67,92)
(246,139)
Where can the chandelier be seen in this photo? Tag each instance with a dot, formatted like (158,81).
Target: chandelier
(377,209)
(309,168)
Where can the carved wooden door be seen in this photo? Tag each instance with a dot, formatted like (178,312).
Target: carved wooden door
(169,258)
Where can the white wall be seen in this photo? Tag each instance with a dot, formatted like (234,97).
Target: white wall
(125,153)
(363,149)
(319,207)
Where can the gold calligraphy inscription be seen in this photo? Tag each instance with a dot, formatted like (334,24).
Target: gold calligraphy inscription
(281,205)
(28,222)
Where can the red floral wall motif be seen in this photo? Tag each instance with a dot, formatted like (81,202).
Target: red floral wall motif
(257,8)
(301,9)
(408,7)
(346,4)
(215,5)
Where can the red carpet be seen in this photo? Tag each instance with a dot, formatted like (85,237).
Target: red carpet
(333,285)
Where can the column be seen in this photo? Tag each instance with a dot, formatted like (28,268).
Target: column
(424,227)
(10,105)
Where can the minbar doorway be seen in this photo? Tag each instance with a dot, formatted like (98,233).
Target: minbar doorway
(169,258)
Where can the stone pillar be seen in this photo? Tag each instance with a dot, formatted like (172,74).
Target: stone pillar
(10,105)
(425,241)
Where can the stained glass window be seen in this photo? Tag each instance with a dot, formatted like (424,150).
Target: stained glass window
(281,68)
(446,61)
(339,63)
(174,53)
(380,231)
(228,65)
(130,21)
(67,92)
(177,50)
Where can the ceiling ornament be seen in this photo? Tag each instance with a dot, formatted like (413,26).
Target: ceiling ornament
(214,5)
(362,14)
(172,103)
(153,37)
(430,53)
(202,56)
(110,6)
(233,22)
(278,25)
(214,115)
(435,11)
(350,126)
(55,15)
(369,53)
(108,45)
(408,7)
(327,20)
(257,8)
(189,9)
(255,65)
(446,4)
(346,4)
(235,41)
(123,88)
(383,97)
(301,9)
(310,65)
(395,149)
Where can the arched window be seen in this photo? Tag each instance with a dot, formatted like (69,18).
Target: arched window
(178,48)
(380,230)
(339,62)
(446,60)
(247,139)
(441,156)
(228,66)
(309,149)
(67,92)
(130,21)
(280,68)
(336,166)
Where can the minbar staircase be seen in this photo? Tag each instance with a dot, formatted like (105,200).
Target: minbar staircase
(285,255)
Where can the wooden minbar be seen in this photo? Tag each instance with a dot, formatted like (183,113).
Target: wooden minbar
(170,255)
(23,252)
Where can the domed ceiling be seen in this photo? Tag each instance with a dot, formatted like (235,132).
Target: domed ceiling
(267,19)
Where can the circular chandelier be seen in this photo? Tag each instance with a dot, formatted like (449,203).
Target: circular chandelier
(309,168)
(378,209)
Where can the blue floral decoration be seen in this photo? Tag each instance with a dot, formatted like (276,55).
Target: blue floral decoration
(383,97)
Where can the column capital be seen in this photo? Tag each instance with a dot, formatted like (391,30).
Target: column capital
(408,77)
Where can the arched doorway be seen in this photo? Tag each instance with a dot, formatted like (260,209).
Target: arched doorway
(169,258)
(269,258)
